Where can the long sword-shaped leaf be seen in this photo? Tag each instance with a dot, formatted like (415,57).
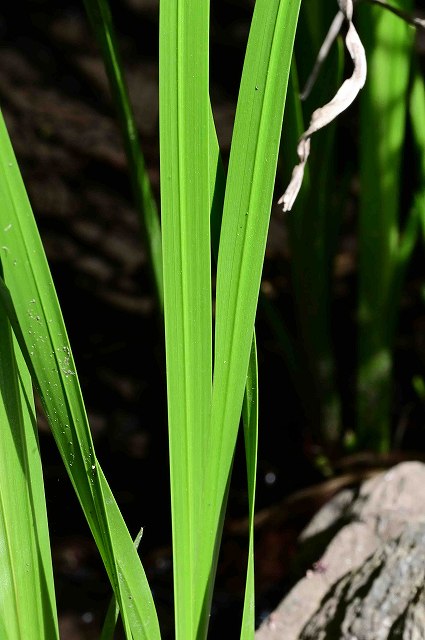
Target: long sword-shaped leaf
(250,404)
(416,215)
(34,312)
(27,600)
(111,618)
(383,115)
(246,215)
(250,423)
(242,243)
(100,18)
(185,211)
(417,116)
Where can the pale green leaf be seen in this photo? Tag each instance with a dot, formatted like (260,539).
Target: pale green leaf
(27,599)
(33,309)
(250,424)
(185,213)
(244,227)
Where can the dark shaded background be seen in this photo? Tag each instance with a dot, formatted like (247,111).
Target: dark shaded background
(55,99)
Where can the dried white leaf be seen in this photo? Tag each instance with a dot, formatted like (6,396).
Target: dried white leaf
(341,101)
(330,38)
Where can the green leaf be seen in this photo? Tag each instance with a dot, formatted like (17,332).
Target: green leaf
(33,309)
(250,404)
(27,599)
(113,611)
(250,424)
(417,116)
(100,18)
(416,215)
(383,111)
(242,243)
(245,222)
(185,211)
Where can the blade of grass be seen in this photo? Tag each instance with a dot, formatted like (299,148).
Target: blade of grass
(246,214)
(250,403)
(113,611)
(416,215)
(27,599)
(242,243)
(185,210)
(33,309)
(100,18)
(415,220)
(417,117)
(250,424)
(388,42)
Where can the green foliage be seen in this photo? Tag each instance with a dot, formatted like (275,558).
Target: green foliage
(27,600)
(203,420)
(185,211)
(386,235)
(30,301)
(384,105)
(204,407)
(213,228)
(100,19)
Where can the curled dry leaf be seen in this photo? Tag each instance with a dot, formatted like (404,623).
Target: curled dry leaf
(341,101)
(334,30)
(331,36)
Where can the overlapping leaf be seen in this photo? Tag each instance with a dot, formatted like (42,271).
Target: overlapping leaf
(185,213)
(30,300)
(27,599)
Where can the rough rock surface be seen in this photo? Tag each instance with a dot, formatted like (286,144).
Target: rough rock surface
(366,550)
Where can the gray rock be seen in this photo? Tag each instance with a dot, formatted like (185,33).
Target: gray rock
(367,580)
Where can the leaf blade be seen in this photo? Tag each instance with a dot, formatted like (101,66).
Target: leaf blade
(99,15)
(33,310)
(249,189)
(27,598)
(250,424)
(185,211)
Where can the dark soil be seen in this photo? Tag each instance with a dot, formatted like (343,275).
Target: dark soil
(54,95)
